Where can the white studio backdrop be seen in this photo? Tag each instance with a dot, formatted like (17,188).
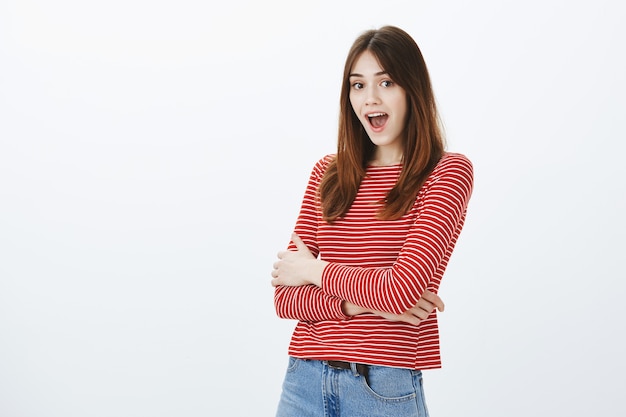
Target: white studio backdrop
(152,160)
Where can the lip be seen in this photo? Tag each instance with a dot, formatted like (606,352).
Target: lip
(376,113)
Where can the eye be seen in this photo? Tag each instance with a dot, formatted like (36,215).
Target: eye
(386,83)
(357,86)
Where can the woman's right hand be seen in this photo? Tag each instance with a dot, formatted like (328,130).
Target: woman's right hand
(420,311)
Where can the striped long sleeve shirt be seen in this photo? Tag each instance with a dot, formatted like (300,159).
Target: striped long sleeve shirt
(382,265)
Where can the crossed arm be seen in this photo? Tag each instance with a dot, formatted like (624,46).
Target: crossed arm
(299,268)
(311,289)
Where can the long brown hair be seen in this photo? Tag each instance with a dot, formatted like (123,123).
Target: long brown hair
(423,144)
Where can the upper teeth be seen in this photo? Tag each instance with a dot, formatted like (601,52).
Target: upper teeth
(375,114)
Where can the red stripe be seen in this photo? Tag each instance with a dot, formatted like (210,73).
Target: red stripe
(383,265)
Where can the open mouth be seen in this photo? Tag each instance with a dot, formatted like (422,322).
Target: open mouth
(377,120)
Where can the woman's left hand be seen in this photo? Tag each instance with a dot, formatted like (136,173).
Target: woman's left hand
(299,267)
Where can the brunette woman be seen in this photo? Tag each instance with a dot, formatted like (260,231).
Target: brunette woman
(377,226)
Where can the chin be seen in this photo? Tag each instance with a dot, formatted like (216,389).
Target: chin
(382,141)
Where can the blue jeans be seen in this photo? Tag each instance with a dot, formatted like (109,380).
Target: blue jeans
(314,389)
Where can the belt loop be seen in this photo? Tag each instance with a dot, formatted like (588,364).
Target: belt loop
(353,368)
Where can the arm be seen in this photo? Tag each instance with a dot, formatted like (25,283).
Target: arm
(427,303)
(308,302)
(428,245)
(420,311)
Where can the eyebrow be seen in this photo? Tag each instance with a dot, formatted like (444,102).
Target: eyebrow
(361,75)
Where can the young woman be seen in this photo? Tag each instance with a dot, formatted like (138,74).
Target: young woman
(377,226)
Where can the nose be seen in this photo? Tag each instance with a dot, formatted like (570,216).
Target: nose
(372,96)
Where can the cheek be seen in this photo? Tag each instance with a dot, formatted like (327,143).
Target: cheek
(355,109)
(402,106)
(353,103)
(355,114)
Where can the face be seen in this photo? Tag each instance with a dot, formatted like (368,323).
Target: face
(380,105)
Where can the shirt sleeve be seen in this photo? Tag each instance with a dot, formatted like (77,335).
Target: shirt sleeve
(309,302)
(428,244)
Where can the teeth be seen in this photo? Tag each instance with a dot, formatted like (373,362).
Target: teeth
(375,115)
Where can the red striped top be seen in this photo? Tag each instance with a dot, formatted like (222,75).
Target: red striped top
(384,265)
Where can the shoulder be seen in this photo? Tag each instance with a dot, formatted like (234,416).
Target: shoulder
(453,164)
(454,161)
(321,165)
(453,171)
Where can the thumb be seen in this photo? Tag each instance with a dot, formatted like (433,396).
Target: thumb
(299,243)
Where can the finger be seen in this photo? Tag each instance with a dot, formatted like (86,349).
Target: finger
(298,242)
(419,313)
(434,299)
(424,304)
(423,308)
(439,303)
(412,319)
(275,265)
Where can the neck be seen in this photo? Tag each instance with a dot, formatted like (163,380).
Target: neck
(386,158)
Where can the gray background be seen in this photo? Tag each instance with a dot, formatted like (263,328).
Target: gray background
(152,160)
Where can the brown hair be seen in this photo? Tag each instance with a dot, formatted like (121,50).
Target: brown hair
(423,144)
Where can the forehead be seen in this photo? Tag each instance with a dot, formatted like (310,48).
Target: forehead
(366,64)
